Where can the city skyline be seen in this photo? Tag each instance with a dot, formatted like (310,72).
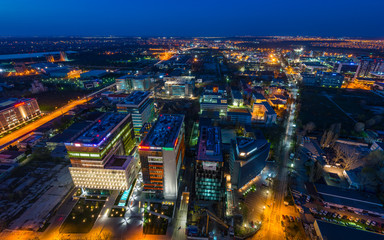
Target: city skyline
(215,18)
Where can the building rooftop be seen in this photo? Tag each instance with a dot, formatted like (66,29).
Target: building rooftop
(179,80)
(94,73)
(68,134)
(119,162)
(9,155)
(100,129)
(258,96)
(209,146)
(239,111)
(12,102)
(135,98)
(332,231)
(237,94)
(348,197)
(164,132)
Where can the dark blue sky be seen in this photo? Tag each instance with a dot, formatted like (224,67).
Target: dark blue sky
(191,18)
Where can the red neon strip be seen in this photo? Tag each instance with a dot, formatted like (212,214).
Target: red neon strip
(176,142)
(19,104)
(143,147)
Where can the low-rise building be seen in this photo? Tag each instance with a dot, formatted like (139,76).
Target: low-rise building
(357,201)
(181,86)
(330,79)
(134,82)
(11,157)
(262,112)
(214,104)
(308,79)
(237,98)
(239,115)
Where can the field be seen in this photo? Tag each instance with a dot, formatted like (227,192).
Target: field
(325,107)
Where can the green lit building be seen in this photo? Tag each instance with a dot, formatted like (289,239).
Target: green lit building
(103,154)
(209,174)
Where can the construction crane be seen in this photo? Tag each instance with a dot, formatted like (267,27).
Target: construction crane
(215,218)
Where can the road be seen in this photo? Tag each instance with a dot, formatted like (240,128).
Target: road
(271,226)
(18,134)
(180,221)
(10,138)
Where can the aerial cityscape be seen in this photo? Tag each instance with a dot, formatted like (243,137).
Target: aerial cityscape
(205,126)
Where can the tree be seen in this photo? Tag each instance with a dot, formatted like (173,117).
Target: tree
(359,127)
(309,127)
(351,158)
(338,153)
(13,148)
(330,136)
(375,158)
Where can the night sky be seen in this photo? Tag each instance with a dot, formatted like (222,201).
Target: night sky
(191,18)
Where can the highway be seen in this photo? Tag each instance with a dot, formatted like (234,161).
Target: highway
(10,138)
(16,135)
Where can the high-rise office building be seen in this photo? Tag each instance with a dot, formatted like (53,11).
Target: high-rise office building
(14,111)
(248,158)
(161,155)
(103,154)
(140,106)
(367,66)
(209,174)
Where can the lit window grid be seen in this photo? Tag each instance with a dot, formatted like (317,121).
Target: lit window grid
(101,178)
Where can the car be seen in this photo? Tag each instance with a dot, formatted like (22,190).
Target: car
(339,216)
(283,217)
(282,223)
(373,223)
(308,199)
(363,221)
(356,220)
(291,218)
(368,222)
(334,215)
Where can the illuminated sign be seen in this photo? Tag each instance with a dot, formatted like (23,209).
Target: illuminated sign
(19,104)
(209,166)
